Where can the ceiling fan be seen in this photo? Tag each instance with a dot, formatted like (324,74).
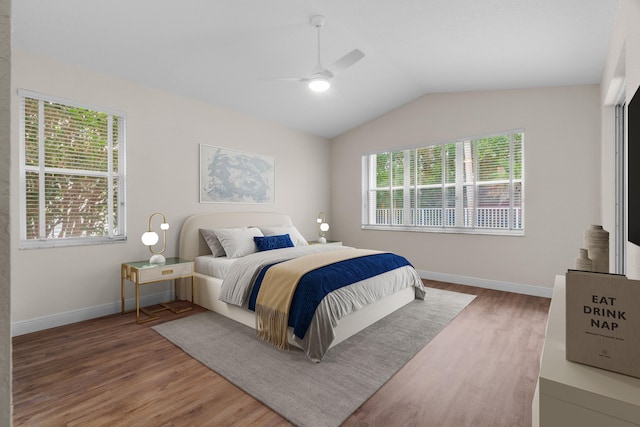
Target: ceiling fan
(320,78)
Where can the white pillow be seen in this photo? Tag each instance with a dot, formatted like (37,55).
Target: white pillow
(291,230)
(238,242)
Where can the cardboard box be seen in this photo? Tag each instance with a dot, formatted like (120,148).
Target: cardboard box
(603,321)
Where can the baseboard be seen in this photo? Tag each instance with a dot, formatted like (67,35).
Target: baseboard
(537,291)
(59,319)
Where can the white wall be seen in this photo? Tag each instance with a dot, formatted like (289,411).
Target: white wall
(562,188)
(163,136)
(623,63)
(5,242)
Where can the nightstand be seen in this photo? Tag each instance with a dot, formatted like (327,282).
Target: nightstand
(143,273)
(329,242)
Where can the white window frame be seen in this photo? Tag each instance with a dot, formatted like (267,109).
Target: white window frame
(369,221)
(620,168)
(118,208)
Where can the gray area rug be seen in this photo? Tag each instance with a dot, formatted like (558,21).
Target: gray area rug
(307,393)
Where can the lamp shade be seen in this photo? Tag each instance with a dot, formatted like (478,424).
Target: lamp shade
(149,238)
(324,227)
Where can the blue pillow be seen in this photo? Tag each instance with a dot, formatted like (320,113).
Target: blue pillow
(267,243)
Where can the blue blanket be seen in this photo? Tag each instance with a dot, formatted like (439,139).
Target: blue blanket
(316,284)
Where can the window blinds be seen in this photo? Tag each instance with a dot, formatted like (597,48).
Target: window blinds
(469,184)
(73,175)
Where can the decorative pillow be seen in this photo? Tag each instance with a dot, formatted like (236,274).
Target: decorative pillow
(292,231)
(212,241)
(268,243)
(238,242)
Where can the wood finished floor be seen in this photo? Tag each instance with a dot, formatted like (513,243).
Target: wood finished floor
(480,370)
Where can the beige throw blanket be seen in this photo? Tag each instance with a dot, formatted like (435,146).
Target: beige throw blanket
(279,285)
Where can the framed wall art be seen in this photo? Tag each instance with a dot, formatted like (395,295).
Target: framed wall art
(231,176)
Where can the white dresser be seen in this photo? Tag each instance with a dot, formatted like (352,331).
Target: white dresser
(571,394)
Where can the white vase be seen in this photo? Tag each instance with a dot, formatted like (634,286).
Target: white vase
(583,262)
(596,241)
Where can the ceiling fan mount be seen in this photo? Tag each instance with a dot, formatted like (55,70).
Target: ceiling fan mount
(319,80)
(318,21)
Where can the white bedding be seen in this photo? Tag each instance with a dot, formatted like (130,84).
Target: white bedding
(238,283)
(213,266)
(350,299)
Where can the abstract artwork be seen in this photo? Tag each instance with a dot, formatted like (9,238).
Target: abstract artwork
(230,176)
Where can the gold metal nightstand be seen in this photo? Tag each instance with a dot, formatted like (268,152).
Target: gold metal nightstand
(143,273)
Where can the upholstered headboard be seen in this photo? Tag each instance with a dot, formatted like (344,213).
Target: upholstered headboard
(192,243)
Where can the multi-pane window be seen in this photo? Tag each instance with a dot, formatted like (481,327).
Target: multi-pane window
(72,173)
(468,185)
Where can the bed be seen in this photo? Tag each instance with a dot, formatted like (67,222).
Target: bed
(402,284)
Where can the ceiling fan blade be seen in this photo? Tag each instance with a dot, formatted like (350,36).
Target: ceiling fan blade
(320,77)
(282,79)
(346,61)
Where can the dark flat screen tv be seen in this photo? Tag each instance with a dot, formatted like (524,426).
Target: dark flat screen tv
(633,169)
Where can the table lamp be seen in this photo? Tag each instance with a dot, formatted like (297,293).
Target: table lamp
(323,227)
(150,238)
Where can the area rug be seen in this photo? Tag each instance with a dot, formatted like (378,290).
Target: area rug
(307,393)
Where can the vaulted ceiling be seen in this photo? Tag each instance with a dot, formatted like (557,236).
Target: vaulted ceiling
(217,51)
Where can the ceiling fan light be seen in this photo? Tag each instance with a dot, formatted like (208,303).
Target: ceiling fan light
(319,84)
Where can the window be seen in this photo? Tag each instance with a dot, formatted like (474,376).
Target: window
(468,185)
(72,173)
